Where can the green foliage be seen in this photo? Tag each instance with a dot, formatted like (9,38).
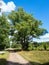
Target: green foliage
(39,46)
(31,47)
(26,26)
(17,46)
(43,46)
(13,45)
(3,58)
(4,30)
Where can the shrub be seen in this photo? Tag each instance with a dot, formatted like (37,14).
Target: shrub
(31,46)
(2,46)
(16,45)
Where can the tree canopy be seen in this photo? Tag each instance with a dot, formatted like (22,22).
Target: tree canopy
(4,30)
(25,25)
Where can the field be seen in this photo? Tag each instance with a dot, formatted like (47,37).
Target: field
(3,58)
(36,57)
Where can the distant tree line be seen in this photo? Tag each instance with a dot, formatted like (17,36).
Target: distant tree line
(39,46)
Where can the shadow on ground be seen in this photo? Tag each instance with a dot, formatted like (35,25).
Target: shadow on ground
(13,50)
(14,63)
(4,62)
(35,63)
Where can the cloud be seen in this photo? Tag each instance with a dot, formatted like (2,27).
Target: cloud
(10,6)
(46,36)
(40,40)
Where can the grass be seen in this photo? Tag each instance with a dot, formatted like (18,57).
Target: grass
(36,57)
(3,58)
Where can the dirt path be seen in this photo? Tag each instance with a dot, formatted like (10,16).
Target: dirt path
(16,59)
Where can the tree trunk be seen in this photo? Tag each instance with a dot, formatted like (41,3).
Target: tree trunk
(24,44)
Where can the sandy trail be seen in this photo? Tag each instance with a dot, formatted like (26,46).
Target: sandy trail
(16,59)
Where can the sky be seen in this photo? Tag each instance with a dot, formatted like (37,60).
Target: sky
(38,8)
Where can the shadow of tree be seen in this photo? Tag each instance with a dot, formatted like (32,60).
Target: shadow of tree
(13,50)
(46,63)
(15,63)
(5,62)
(35,63)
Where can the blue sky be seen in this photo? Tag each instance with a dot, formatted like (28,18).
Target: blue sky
(39,9)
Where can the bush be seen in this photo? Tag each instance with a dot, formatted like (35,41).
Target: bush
(16,45)
(2,46)
(42,46)
(31,46)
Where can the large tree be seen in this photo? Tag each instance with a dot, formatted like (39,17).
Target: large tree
(4,31)
(25,25)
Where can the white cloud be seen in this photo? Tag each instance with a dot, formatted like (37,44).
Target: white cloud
(46,36)
(43,38)
(40,40)
(7,7)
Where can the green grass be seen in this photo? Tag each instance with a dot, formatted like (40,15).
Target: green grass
(36,57)
(3,58)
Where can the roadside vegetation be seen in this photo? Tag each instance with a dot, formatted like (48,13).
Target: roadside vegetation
(44,46)
(36,57)
(3,58)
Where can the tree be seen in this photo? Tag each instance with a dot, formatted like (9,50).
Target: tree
(4,31)
(25,25)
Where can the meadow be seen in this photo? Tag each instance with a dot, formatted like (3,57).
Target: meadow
(36,57)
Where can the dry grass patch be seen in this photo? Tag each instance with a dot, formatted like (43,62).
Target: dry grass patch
(36,56)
